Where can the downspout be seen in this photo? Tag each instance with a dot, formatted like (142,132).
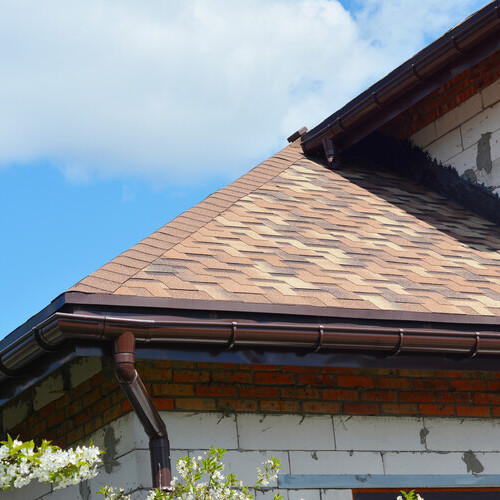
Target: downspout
(131,383)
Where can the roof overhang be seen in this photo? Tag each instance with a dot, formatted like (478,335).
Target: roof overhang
(457,50)
(79,324)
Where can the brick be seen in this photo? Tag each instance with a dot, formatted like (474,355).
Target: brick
(112,413)
(279,406)
(126,406)
(393,383)
(91,397)
(436,409)
(156,373)
(453,397)
(55,418)
(316,379)
(243,405)
(467,385)
(329,407)
(473,411)
(493,385)
(163,403)
(399,409)
(216,390)
(487,398)
(172,389)
(340,394)
(379,396)
(360,409)
(274,378)
(431,384)
(354,381)
(75,435)
(191,376)
(416,397)
(198,404)
(259,392)
(236,377)
(299,393)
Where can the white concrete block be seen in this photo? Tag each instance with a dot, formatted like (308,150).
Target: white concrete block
(487,121)
(49,390)
(201,430)
(83,368)
(120,437)
(14,414)
(176,455)
(459,115)
(491,94)
(490,462)
(336,494)
(269,494)
(462,434)
(335,462)
(30,492)
(378,433)
(285,432)
(72,492)
(465,160)
(423,463)
(425,135)
(131,471)
(446,147)
(245,463)
(304,494)
(495,145)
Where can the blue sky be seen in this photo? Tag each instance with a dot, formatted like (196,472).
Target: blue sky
(117,116)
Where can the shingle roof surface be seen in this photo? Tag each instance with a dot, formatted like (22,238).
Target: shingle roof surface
(291,232)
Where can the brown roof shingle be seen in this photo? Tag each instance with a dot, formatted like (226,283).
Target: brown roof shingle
(291,232)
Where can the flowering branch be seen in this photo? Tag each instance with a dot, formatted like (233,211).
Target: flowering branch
(202,479)
(21,463)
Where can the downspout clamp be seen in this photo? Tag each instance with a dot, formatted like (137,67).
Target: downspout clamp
(131,383)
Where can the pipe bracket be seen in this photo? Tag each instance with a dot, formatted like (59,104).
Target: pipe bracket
(319,342)
(399,347)
(232,339)
(473,352)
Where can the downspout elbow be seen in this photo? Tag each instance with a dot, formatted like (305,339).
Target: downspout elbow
(131,383)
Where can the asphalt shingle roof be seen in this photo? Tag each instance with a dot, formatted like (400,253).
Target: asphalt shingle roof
(292,232)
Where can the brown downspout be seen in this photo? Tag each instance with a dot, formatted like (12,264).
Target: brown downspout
(131,383)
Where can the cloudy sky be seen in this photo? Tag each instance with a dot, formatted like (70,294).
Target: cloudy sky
(117,115)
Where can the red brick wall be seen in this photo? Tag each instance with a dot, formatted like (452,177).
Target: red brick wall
(445,98)
(213,387)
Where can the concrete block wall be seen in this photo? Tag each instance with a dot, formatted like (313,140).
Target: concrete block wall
(313,444)
(468,137)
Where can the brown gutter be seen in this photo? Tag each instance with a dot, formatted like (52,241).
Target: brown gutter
(227,335)
(131,383)
(470,41)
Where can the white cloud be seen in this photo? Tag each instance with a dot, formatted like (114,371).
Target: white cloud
(180,90)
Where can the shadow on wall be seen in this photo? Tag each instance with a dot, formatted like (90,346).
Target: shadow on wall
(455,215)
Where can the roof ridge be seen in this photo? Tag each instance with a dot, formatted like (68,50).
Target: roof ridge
(111,276)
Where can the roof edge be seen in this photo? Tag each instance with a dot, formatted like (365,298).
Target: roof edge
(455,51)
(128,301)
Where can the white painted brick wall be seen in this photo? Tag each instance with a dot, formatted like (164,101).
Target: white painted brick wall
(453,138)
(305,445)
